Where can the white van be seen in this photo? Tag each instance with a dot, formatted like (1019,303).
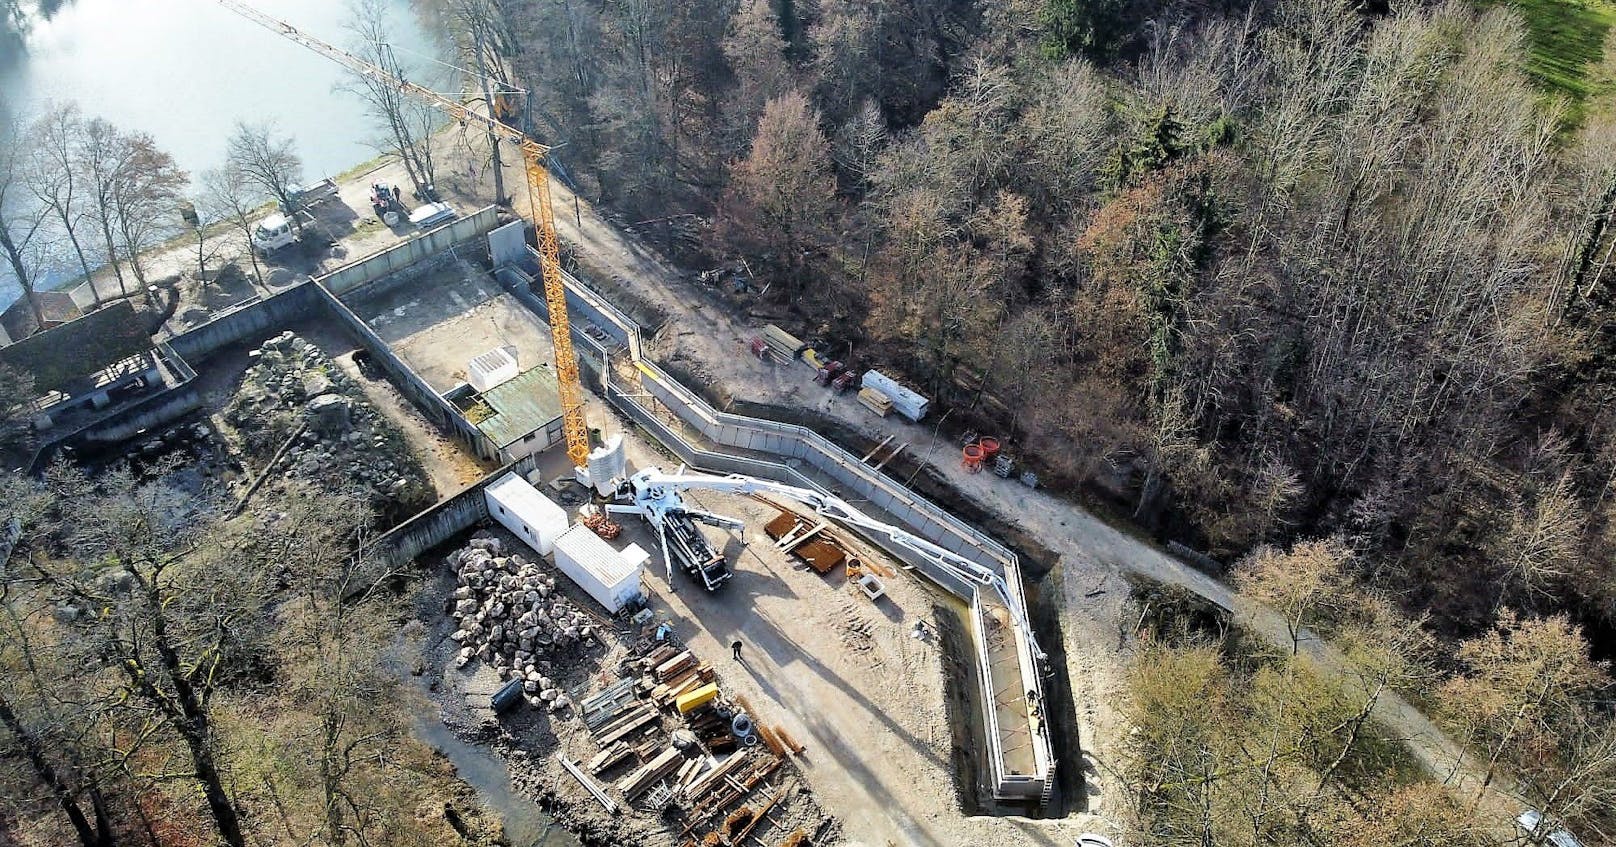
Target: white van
(273,233)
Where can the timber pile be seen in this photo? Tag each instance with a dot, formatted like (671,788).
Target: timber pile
(650,773)
(688,680)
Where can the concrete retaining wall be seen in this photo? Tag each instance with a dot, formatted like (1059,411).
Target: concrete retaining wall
(403,256)
(884,495)
(151,413)
(411,385)
(253,320)
(450,517)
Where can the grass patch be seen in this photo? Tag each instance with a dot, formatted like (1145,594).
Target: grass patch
(1567,47)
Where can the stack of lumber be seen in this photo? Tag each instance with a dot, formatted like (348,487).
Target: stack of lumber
(674,666)
(610,758)
(726,784)
(650,773)
(629,724)
(875,401)
(700,787)
(782,343)
(687,680)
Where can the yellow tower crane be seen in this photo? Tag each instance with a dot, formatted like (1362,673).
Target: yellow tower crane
(538,187)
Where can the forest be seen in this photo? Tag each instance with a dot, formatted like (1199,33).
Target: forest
(1296,281)
(1249,275)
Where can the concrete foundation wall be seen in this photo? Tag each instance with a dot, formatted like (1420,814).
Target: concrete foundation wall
(152,413)
(257,319)
(404,256)
(901,506)
(450,517)
(410,384)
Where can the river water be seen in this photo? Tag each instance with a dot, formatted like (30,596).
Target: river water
(185,71)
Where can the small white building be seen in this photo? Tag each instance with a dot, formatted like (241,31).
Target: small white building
(533,517)
(600,570)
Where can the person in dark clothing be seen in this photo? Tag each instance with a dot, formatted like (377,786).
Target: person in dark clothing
(736,649)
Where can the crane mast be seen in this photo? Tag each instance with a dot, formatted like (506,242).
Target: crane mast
(570,388)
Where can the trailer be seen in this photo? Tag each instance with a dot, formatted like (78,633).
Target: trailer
(311,195)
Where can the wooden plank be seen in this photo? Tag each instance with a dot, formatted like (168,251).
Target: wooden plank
(674,665)
(792,543)
(637,782)
(894,455)
(876,449)
(706,781)
(628,729)
(609,759)
(619,721)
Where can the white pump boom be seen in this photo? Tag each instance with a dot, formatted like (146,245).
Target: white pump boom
(655,496)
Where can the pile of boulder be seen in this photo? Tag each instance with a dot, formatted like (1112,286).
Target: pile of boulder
(345,442)
(509,616)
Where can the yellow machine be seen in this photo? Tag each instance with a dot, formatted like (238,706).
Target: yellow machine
(538,187)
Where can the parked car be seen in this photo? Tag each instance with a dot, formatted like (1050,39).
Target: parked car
(432,214)
(273,233)
(1534,827)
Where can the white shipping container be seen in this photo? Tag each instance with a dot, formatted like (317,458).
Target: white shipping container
(904,402)
(533,517)
(597,568)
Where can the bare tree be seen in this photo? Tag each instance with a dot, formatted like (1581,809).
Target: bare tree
(55,179)
(406,123)
(102,158)
(782,194)
(268,160)
(176,607)
(231,196)
(22,217)
(1302,584)
(484,24)
(146,198)
(47,729)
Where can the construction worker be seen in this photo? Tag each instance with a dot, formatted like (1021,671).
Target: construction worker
(736,649)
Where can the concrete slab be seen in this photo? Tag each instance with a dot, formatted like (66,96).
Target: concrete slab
(442,320)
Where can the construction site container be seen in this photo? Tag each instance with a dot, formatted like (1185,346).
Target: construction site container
(492,368)
(598,569)
(533,517)
(905,402)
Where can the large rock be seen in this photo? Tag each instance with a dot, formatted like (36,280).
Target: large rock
(330,413)
(315,384)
